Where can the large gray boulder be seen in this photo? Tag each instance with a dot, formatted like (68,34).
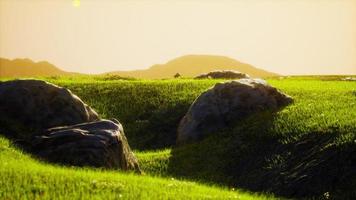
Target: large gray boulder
(98,144)
(227,102)
(30,106)
(223,74)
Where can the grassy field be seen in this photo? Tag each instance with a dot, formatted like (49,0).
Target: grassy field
(308,149)
(150,110)
(22,177)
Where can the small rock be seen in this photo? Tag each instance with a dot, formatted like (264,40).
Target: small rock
(227,102)
(349,79)
(223,74)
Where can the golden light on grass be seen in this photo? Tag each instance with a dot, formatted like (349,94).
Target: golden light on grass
(76,3)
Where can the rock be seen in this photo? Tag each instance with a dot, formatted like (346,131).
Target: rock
(98,144)
(30,106)
(226,103)
(223,74)
(29,109)
(349,79)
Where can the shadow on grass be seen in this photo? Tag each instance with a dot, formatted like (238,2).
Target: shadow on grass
(158,131)
(250,156)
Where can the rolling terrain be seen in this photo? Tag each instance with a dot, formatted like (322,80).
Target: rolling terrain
(306,150)
(23,177)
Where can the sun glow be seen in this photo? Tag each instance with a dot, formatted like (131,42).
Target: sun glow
(76,3)
(286,37)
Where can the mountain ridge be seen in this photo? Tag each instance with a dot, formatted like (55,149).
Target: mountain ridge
(25,67)
(187,66)
(193,65)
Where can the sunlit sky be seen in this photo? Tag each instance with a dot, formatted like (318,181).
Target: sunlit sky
(283,36)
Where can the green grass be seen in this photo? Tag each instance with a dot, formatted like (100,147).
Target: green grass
(22,177)
(150,110)
(154,162)
(307,149)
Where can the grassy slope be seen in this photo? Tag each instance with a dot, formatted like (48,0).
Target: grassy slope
(257,150)
(22,177)
(149,110)
(308,148)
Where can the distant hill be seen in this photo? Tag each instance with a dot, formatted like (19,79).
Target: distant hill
(28,68)
(193,65)
(187,66)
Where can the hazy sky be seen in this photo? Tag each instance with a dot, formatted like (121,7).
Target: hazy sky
(284,36)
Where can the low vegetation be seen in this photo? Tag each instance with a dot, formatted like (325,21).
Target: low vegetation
(305,150)
(22,177)
(150,110)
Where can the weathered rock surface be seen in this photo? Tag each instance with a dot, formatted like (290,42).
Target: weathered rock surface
(227,102)
(99,144)
(32,105)
(349,79)
(223,74)
(29,109)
